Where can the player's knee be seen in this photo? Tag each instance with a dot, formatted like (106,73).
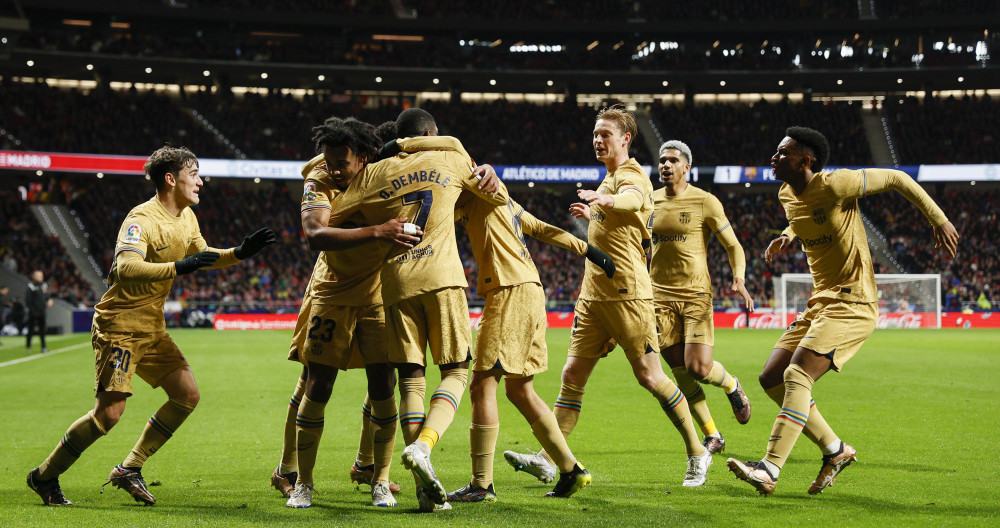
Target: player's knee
(795,375)
(699,369)
(191,397)
(647,381)
(517,393)
(770,378)
(109,417)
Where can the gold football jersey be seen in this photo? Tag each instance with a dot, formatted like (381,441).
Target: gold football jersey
(348,277)
(149,235)
(620,235)
(826,220)
(682,229)
(424,187)
(497,232)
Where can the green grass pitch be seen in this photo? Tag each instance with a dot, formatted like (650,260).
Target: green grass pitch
(919,405)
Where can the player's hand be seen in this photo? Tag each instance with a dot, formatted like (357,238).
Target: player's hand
(579,210)
(595,198)
(395,231)
(739,286)
(776,246)
(489,182)
(196,261)
(602,260)
(946,236)
(255,242)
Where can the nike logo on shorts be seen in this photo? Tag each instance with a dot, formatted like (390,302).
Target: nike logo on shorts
(162,248)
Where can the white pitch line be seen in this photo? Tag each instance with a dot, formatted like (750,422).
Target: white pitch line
(47,354)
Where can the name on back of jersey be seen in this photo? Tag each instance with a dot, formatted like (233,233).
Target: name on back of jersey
(431,176)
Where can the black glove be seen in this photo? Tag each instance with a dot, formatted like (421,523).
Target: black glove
(602,260)
(389,150)
(196,261)
(252,244)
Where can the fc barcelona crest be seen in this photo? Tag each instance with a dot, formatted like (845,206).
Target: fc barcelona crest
(819,216)
(685,218)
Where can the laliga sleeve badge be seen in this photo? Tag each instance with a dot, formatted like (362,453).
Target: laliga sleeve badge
(309,192)
(133,234)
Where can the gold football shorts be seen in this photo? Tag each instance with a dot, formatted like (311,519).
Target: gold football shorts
(119,356)
(629,323)
(688,321)
(511,333)
(344,337)
(831,328)
(439,318)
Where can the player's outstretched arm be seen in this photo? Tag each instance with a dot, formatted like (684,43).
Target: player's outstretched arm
(196,261)
(858,184)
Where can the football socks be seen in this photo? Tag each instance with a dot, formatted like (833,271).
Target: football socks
(84,432)
(792,417)
(411,407)
(366,453)
(444,403)
(309,429)
(482,446)
(383,427)
(547,430)
(695,396)
(159,428)
(567,411)
(289,460)
(816,428)
(672,401)
(720,378)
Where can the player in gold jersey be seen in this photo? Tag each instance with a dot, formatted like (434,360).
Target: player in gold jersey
(684,220)
(822,211)
(423,288)
(509,282)
(618,308)
(345,322)
(159,240)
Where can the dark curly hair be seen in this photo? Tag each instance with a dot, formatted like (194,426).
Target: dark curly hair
(813,143)
(356,135)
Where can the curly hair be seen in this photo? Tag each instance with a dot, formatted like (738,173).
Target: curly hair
(167,159)
(356,135)
(623,119)
(813,143)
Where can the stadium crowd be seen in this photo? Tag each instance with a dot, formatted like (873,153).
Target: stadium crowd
(946,130)
(744,133)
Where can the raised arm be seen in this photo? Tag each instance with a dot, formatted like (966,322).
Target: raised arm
(874,181)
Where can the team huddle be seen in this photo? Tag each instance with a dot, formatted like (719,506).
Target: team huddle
(380,206)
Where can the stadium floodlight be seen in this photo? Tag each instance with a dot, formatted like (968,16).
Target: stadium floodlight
(905,300)
(30,63)
(90,67)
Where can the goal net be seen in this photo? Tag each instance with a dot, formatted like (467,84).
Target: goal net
(904,300)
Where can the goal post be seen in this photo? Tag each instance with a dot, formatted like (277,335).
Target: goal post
(904,300)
